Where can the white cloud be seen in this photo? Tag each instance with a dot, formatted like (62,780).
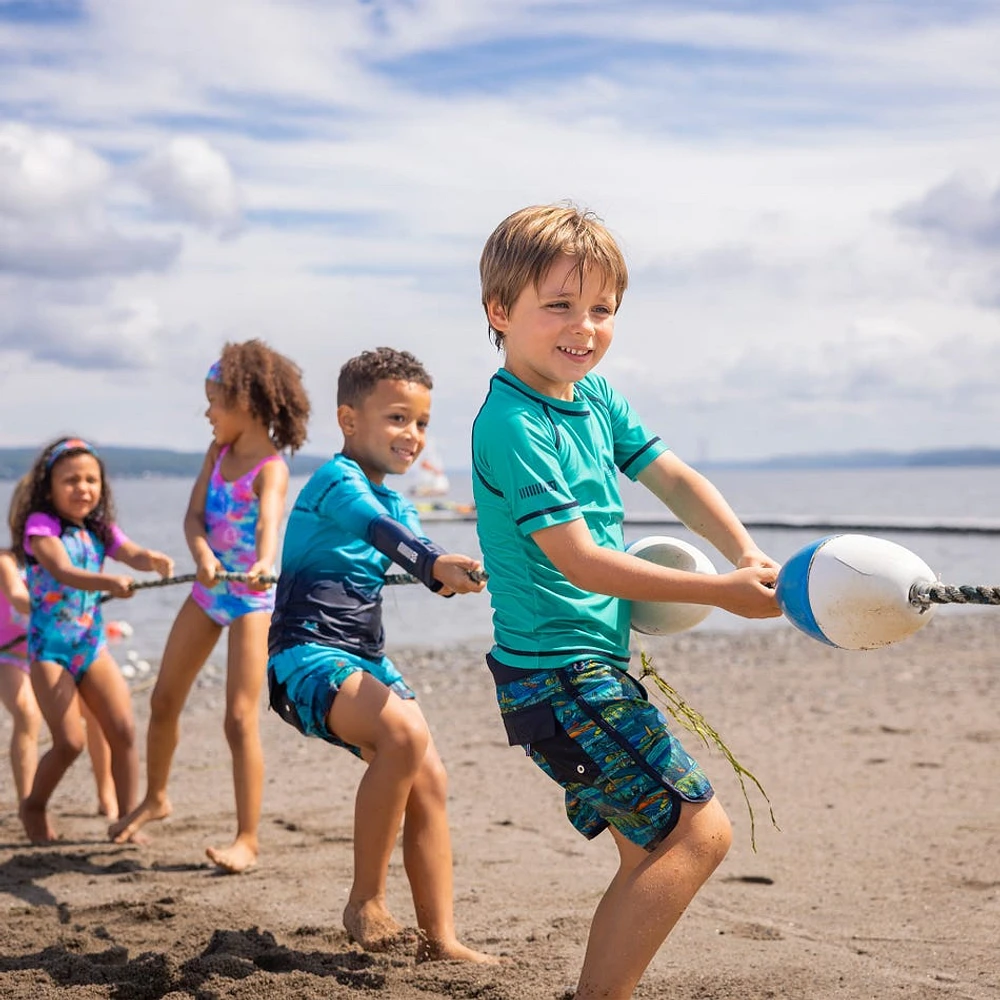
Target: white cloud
(189,179)
(753,163)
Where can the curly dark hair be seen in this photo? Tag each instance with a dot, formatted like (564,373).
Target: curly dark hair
(270,385)
(361,374)
(34,495)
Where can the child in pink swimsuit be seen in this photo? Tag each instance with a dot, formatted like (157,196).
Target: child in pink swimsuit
(15,679)
(257,407)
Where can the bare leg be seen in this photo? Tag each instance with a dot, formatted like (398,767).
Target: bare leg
(100,762)
(191,640)
(368,715)
(107,696)
(646,899)
(247,666)
(428,861)
(57,698)
(26,719)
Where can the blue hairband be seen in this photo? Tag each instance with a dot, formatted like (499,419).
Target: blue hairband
(70,444)
(215,372)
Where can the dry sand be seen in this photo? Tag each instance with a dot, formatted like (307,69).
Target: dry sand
(883,882)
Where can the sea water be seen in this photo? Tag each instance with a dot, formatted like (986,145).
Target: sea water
(151,510)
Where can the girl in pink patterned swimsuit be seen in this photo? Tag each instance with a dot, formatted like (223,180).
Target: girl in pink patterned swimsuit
(64,524)
(257,407)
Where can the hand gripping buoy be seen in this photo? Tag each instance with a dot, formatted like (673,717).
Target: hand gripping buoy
(662,618)
(855,591)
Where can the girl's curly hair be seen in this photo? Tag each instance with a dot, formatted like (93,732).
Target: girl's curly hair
(34,495)
(270,386)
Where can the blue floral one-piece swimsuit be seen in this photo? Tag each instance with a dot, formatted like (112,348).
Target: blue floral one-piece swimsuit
(66,625)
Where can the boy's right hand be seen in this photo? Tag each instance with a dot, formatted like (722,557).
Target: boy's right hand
(749,592)
(452,571)
(206,572)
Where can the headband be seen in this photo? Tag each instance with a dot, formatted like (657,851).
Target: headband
(69,444)
(215,372)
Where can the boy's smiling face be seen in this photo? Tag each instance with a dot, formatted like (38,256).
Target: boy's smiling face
(387,431)
(557,332)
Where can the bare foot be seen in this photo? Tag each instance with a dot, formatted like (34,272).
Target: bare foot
(36,824)
(452,951)
(240,857)
(108,809)
(126,831)
(372,926)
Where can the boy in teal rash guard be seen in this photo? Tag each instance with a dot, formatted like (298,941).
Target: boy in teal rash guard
(328,675)
(547,447)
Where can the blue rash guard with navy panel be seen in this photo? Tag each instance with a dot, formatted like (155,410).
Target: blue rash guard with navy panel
(329,589)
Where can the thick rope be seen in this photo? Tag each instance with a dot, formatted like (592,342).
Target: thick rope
(923,595)
(168,581)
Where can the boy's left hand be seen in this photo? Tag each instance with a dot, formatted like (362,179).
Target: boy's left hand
(160,563)
(452,571)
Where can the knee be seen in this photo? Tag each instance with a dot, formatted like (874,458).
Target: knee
(432,782)
(68,746)
(165,704)
(405,739)
(28,717)
(240,724)
(714,834)
(121,734)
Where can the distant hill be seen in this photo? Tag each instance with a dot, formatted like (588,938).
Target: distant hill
(943,457)
(121,462)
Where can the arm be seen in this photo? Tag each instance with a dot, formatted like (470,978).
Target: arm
(147,560)
(12,586)
(572,550)
(205,561)
(272,488)
(698,503)
(51,553)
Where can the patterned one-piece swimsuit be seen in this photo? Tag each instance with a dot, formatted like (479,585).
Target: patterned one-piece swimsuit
(231,512)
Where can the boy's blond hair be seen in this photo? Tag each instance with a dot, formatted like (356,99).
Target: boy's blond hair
(523,247)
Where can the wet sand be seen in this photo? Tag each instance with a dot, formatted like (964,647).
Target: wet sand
(884,880)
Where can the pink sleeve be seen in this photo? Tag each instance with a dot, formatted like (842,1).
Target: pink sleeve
(41,524)
(118,539)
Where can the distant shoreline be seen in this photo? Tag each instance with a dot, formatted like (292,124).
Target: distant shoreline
(162,462)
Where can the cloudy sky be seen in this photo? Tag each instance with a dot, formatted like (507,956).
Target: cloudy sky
(808,195)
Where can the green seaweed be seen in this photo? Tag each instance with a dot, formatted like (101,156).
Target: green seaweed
(692,720)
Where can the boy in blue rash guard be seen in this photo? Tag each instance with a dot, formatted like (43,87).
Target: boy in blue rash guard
(547,447)
(328,675)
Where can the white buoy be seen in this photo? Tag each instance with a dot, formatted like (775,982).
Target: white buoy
(663,618)
(853,591)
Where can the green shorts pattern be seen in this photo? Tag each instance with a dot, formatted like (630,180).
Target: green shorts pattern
(303,681)
(591,728)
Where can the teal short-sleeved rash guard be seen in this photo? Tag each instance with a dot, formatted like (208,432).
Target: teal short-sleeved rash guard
(537,462)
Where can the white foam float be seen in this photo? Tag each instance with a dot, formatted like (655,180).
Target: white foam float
(853,591)
(665,618)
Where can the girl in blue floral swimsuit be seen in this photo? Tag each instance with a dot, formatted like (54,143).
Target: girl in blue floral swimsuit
(257,407)
(63,528)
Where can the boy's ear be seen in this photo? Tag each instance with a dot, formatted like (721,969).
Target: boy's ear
(496,314)
(347,417)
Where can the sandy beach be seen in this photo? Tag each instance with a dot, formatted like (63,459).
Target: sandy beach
(884,880)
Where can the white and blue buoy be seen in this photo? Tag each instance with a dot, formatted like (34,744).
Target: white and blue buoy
(854,591)
(662,618)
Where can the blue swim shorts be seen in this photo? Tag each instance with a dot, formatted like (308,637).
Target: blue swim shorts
(303,681)
(591,728)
